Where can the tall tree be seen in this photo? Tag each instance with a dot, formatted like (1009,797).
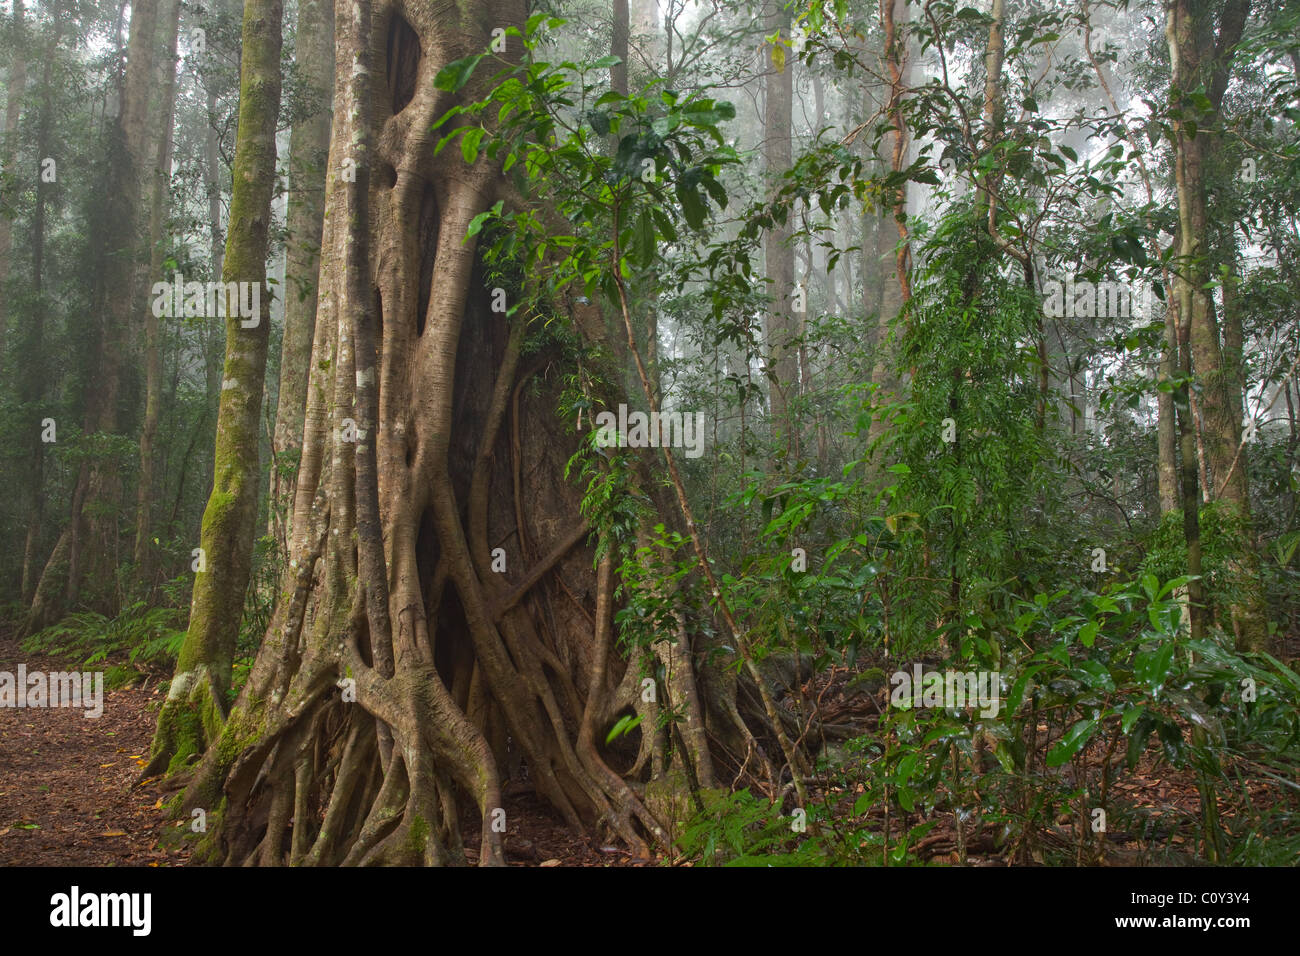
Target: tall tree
(32,384)
(158,182)
(894,288)
(780,325)
(59,584)
(1201,52)
(432,523)
(196,702)
(15,87)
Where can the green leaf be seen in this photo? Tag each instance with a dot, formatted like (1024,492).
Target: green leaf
(456,74)
(1137,741)
(599,121)
(666,227)
(643,240)
(469,142)
(1131,717)
(693,207)
(1071,743)
(476,224)
(1095,675)
(624,725)
(1020,686)
(1151,668)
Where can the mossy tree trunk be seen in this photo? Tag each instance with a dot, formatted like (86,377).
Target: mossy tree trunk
(192,714)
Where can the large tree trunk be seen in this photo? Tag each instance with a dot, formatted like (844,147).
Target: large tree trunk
(404,673)
(195,706)
(618,46)
(308,154)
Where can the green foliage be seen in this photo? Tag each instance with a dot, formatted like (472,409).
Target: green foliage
(137,637)
(740,829)
(1222,537)
(552,130)
(1086,678)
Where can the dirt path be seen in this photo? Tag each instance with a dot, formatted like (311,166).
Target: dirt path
(65,779)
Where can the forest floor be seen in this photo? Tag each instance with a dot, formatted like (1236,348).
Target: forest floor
(68,794)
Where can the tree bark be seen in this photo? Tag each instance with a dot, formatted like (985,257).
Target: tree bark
(196,702)
(618,46)
(778,252)
(404,673)
(159,182)
(308,154)
(15,89)
(1202,56)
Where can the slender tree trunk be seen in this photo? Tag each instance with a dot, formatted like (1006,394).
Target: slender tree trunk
(308,154)
(217,245)
(618,47)
(1201,58)
(32,377)
(778,252)
(196,703)
(44,594)
(892,243)
(1166,424)
(159,188)
(15,89)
